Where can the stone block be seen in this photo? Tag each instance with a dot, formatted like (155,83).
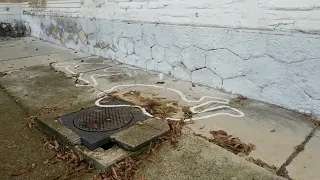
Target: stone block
(173,55)
(143,50)
(264,71)
(182,73)
(194,58)
(206,77)
(140,135)
(225,63)
(158,53)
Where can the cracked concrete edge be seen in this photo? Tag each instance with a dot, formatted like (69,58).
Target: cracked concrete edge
(58,131)
(282,171)
(99,158)
(104,159)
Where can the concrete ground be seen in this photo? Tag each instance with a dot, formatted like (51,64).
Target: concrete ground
(35,81)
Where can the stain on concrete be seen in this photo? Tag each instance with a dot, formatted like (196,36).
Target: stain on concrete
(16,29)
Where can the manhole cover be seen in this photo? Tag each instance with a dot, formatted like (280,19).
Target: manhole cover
(102,119)
(95,124)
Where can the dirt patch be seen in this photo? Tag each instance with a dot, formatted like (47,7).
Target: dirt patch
(239,101)
(117,78)
(2,74)
(76,163)
(157,106)
(315,120)
(261,163)
(232,144)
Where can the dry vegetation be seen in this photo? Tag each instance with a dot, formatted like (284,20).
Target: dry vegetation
(232,144)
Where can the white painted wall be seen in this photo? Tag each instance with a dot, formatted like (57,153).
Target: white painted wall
(264,49)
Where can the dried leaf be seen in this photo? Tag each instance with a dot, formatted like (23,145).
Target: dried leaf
(20,171)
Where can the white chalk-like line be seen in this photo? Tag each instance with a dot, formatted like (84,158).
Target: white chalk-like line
(211,99)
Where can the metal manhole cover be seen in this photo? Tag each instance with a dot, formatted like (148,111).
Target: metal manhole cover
(102,119)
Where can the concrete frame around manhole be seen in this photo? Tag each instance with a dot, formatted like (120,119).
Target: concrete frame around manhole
(93,139)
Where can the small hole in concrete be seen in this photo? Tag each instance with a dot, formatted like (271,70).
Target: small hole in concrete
(107,146)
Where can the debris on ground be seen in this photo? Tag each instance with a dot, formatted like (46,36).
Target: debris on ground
(157,106)
(261,163)
(228,142)
(126,169)
(240,100)
(116,78)
(75,162)
(273,130)
(81,82)
(123,170)
(24,170)
(31,121)
(47,110)
(315,120)
(3,74)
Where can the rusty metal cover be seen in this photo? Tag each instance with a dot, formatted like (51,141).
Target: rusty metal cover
(95,124)
(103,119)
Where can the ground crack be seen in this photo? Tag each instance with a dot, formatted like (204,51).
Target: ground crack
(282,171)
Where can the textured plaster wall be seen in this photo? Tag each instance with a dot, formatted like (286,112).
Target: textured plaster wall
(270,53)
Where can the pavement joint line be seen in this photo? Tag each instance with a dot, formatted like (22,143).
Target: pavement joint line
(31,56)
(12,45)
(15,100)
(282,171)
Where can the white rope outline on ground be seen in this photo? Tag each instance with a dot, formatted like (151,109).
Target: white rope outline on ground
(183,97)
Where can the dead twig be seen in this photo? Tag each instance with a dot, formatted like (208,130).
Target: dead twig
(31,122)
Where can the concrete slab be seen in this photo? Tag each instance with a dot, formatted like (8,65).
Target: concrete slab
(259,117)
(274,131)
(15,64)
(7,41)
(105,159)
(39,88)
(196,158)
(140,135)
(29,50)
(306,165)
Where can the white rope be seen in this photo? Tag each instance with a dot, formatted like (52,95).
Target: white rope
(211,99)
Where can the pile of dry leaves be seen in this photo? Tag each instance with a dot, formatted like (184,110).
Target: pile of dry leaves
(157,106)
(126,169)
(123,170)
(232,144)
(172,136)
(240,100)
(75,162)
(315,120)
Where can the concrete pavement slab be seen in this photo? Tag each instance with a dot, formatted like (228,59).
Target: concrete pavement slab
(306,165)
(274,131)
(259,117)
(140,135)
(196,158)
(29,50)
(39,88)
(47,59)
(7,41)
